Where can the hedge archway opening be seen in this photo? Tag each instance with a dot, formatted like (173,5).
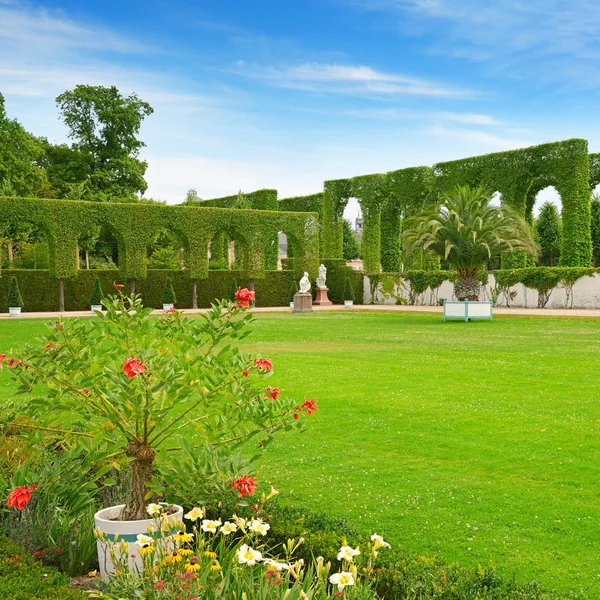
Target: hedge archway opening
(168,250)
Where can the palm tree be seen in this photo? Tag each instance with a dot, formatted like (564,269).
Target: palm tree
(467,232)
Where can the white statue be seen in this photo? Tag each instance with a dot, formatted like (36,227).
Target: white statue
(305,284)
(322,276)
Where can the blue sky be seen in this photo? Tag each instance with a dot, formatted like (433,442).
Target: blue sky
(288,94)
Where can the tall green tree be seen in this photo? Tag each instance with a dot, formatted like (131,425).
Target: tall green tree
(22,159)
(548,235)
(104,127)
(351,247)
(595,210)
(467,232)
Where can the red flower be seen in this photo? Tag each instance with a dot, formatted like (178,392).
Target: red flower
(243,298)
(263,364)
(245,485)
(295,416)
(85,391)
(2,359)
(160,584)
(48,346)
(19,498)
(171,310)
(310,406)
(272,393)
(133,367)
(118,286)
(245,373)
(60,551)
(39,553)
(51,345)
(11,362)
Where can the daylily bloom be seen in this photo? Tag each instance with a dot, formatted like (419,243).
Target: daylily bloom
(245,485)
(143,539)
(263,364)
(272,393)
(210,526)
(347,553)
(19,498)
(278,566)
(257,526)
(342,580)
(153,509)
(243,297)
(133,367)
(228,527)
(379,542)
(195,514)
(248,556)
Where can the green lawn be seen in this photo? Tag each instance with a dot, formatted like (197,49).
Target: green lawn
(475,442)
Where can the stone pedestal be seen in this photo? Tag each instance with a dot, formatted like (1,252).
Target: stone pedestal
(322,299)
(302,302)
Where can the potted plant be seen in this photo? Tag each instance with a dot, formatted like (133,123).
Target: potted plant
(151,398)
(96,296)
(168,297)
(293,291)
(15,302)
(348,293)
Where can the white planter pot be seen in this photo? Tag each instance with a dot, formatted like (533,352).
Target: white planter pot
(291,305)
(127,530)
(167,307)
(96,307)
(14,311)
(348,303)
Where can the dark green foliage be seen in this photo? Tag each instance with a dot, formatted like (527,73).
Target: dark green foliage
(595,229)
(294,289)
(351,245)
(97,294)
(233,288)
(168,295)
(548,235)
(23,578)
(348,291)
(13,298)
(337,273)
(104,155)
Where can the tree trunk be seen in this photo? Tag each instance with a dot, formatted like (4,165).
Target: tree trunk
(61,295)
(467,286)
(9,247)
(195,293)
(87,260)
(142,469)
(132,286)
(252,302)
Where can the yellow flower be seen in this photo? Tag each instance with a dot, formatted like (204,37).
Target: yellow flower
(192,566)
(210,554)
(195,514)
(174,557)
(215,566)
(146,549)
(183,537)
(185,551)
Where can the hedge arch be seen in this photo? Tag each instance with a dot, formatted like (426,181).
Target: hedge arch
(135,225)
(335,198)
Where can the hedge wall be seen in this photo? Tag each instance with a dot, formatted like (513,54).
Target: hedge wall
(40,290)
(135,225)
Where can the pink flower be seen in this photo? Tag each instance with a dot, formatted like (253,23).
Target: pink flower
(133,367)
(245,485)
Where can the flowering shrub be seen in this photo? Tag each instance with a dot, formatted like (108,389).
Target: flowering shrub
(208,558)
(126,385)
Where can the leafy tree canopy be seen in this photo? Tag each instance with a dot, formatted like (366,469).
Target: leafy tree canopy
(548,234)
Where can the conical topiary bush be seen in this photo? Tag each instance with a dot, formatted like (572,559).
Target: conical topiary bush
(14,295)
(168,296)
(348,292)
(233,288)
(97,294)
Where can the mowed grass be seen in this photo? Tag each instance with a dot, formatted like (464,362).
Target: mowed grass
(474,442)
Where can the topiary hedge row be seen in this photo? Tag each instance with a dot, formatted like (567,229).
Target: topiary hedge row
(40,291)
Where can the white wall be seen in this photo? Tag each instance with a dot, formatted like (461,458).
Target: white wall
(586,294)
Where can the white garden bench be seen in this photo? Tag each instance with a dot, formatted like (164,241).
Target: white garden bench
(465,310)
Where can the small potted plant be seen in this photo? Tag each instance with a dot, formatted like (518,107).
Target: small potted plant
(15,302)
(96,296)
(168,297)
(293,291)
(348,294)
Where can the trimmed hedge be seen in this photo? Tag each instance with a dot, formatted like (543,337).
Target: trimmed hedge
(40,291)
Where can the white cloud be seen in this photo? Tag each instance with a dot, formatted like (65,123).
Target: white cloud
(484,139)
(347,79)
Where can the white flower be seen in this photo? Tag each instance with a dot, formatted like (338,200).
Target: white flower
(248,556)
(342,580)
(257,526)
(210,526)
(348,553)
(241,522)
(154,509)
(379,542)
(195,514)
(142,540)
(228,527)
(276,565)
